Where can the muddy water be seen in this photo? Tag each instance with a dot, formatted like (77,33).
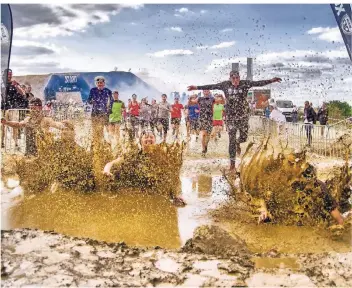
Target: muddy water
(145,220)
(132,217)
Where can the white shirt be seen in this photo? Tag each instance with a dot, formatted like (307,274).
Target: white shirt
(277,116)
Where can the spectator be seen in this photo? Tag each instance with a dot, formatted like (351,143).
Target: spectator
(323,117)
(278,117)
(29,94)
(14,100)
(101,100)
(294,114)
(309,120)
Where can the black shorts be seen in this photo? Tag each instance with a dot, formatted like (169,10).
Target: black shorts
(134,121)
(175,121)
(194,123)
(144,123)
(165,123)
(206,125)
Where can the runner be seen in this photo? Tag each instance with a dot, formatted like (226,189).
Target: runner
(116,116)
(101,99)
(164,110)
(176,115)
(154,115)
(218,111)
(188,126)
(134,115)
(145,114)
(237,108)
(205,118)
(193,115)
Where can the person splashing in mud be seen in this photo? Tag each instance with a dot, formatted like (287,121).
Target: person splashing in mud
(285,188)
(237,110)
(151,167)
(35,123)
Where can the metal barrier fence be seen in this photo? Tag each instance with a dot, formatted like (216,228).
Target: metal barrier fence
(324,140)
(333,140)
(14,139)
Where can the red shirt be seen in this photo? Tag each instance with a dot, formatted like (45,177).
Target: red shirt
(134,109)
(176,110)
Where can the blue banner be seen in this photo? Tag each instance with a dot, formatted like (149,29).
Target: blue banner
(343,17)
(6,43)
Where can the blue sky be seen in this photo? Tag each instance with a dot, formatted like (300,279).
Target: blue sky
(180,45)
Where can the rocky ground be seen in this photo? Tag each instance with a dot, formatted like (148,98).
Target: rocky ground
(211,258)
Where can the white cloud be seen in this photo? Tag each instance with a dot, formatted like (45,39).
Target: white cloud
(226,30)
(223,45)
(203,11)
(327,34)
(133,23)
(182,10)
(175,29)
(178,15)
(217,46)
(165,53)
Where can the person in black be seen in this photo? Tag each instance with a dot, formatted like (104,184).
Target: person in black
(14,99)
(237,108)
(29,94)
(309,120)
(205,118)
(323,116)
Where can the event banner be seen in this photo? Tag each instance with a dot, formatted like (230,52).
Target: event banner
(343,17)
(6,42)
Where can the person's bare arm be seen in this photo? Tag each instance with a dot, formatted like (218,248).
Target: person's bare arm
(50,123)
(14,124)
(108,166)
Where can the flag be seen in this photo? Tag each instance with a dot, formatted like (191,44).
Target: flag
(6,43)
(343,17)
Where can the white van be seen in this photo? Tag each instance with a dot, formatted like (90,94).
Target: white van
(284,106)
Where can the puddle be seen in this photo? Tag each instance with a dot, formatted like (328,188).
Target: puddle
(132,217)
(276,263)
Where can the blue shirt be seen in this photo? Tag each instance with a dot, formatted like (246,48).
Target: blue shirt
(101,100)
(192,114)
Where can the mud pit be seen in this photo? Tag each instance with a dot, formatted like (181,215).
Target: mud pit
(141,220)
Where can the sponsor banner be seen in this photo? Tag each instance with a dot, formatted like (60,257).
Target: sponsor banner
(6,42)
(343,17)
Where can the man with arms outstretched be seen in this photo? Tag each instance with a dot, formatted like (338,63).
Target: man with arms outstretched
(237,109)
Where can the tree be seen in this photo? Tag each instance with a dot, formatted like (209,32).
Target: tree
(339,109)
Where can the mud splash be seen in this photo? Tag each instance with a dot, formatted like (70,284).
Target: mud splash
(75,168)
(288,186)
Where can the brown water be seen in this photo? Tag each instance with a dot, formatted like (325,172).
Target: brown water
(132,217)
(149,220)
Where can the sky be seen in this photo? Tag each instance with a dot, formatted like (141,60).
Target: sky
(174,46)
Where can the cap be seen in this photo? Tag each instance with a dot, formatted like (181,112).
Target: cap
(99,78)
(134,96)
